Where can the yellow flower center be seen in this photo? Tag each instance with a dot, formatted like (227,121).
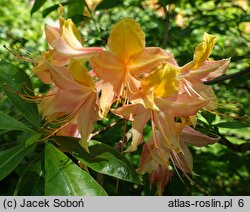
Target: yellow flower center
(162,82)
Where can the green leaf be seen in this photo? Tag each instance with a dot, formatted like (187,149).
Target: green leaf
(10,158)
(63,177)
(232,125)
(13,81)
(210,117)
(34,187)
(102,158)
(37,5)
(79,18)
(77,8)
(107,4)
(9,123)
(54,7)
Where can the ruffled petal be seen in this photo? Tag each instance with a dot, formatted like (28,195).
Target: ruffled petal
(181,105)
(163,81)
(184,159)
(107,67)
(203,50)
(139,117)
(107,98)
(126,39)
(210,70)
(88,115)
(148,60)
(164,122)
(67,40)
(191,136)
(140,120)
(57,104)
(62,78)
(52,33)
(198,90)
(80,73)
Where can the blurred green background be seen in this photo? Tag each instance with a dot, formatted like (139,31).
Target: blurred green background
(222,168)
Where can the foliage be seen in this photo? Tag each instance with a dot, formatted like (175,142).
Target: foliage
(223,168)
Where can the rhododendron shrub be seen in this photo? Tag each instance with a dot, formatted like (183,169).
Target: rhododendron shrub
(128,80)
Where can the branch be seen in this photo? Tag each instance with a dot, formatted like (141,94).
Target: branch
(235,147)
(226,77)
(166,12)
(106,128)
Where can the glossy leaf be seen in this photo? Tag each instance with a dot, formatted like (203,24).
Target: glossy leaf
(232,125)
(210,117)
(10,158)
(102,158)
(13,81)
(63,177)
(34,187)
(37,5)
(107,4)
(9,123)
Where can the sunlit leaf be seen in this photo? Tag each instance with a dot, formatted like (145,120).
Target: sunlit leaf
(210,117)
(102,158)
(63,177)
(232,125)
(37,5)
(54,7)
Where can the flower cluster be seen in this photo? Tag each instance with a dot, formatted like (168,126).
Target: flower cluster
(144,83)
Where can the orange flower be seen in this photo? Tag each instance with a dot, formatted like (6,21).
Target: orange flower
(156,161)
(73,99)
(193,74)
(126,60)
(66,40)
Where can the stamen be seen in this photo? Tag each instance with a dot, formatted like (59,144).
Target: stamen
(176,170)
(19,55)
(154,130)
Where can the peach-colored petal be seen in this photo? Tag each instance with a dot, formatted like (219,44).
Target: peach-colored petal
(148,60)
(107,67)
(66,49)
(181,105)
(194,137)
(57,103)
(88,115)
(197,89)
(69,130)
(164,122)
(155,161)
(62,78)
(140,117)
(184,159)
(107,98)
(210,70)
(52,33)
